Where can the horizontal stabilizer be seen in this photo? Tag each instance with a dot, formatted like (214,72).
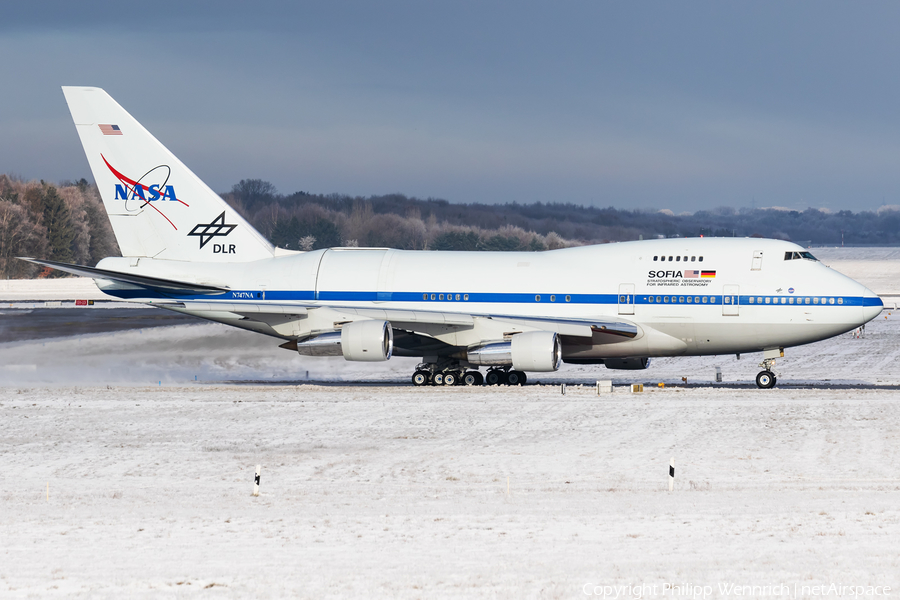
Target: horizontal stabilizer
(150,283)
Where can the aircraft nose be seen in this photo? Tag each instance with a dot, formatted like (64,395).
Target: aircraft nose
(872,305)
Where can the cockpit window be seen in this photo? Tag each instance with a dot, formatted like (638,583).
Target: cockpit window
(799,255)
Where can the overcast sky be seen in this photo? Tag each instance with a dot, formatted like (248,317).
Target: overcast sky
(679,105)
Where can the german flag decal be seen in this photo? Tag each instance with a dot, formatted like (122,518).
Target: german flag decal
(708,274)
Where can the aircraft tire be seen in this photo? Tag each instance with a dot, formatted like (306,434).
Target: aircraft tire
(495,378)
(515,378)
(765,380)
(438,379)
(472,378)
(420,378)
(451,378)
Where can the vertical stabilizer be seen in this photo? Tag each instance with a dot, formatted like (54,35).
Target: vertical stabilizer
(158,208)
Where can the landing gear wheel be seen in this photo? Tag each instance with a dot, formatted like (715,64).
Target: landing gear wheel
(438,379)
(516,378)
(420,378)
(472,378)
(765,379)
(451,378)
(495,378)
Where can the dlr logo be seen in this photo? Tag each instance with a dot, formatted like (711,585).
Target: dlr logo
(223,249)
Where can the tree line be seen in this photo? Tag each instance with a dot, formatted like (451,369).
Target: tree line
(67,222)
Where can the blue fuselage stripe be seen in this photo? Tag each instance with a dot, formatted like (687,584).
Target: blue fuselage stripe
(667,299)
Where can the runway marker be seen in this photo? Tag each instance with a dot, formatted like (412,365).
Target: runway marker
(718,374)
(672,474)
(256,480)
(604,386)
(562,389)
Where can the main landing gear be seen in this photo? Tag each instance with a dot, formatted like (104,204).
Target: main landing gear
(766,379)
(455,374)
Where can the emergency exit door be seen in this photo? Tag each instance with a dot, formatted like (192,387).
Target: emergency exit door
(731,300)
(626,298)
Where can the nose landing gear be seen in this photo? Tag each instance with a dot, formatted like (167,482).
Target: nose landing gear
(766,379)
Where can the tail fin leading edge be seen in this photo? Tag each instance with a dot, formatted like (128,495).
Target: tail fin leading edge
(158,208)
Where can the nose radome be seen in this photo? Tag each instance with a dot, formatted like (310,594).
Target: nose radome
(872,305)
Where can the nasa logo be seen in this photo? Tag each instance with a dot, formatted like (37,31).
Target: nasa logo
(152,193)
(790,290)
(138,190)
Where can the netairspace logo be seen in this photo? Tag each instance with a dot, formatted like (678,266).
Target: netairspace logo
(722,590)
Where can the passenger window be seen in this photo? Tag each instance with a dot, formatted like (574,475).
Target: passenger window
(654,258)
(791,301)
(568,298)
(689,299)
(685,259)
(465,296)
(701,259)
(696,299)
(424,296)
(665,299)
(670,259)
(783,300)
(552,298)
(704,299)
(768,300)
(727,299)
(806,301)
(440,296)
(712,299)
(751,299)
(677,259)
(815,300)
(457,296)
(432,296)
(831,301)
(840,300)
(693,258)
(537,298)
(650,299)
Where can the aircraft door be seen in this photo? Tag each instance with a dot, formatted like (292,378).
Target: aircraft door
(757,260)
(731,295)
(626,298)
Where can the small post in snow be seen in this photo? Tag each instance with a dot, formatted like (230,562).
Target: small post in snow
(562,389)
(672,474)
(256,480)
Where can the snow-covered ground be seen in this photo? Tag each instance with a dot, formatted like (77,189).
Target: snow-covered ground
(385,490)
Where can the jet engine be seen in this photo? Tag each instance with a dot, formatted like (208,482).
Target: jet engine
(366,341)
(529,351)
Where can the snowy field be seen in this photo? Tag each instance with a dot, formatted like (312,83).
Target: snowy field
(373,488)
(129,459)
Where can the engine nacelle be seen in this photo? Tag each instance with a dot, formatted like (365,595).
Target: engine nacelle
(367,341)
(529,351)
(627,364)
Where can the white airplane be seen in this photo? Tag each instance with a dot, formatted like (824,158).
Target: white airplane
(184,249)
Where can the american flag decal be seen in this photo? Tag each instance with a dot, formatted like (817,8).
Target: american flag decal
(691,274)
(110,129)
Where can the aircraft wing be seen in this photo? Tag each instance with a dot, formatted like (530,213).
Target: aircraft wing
(416,320)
